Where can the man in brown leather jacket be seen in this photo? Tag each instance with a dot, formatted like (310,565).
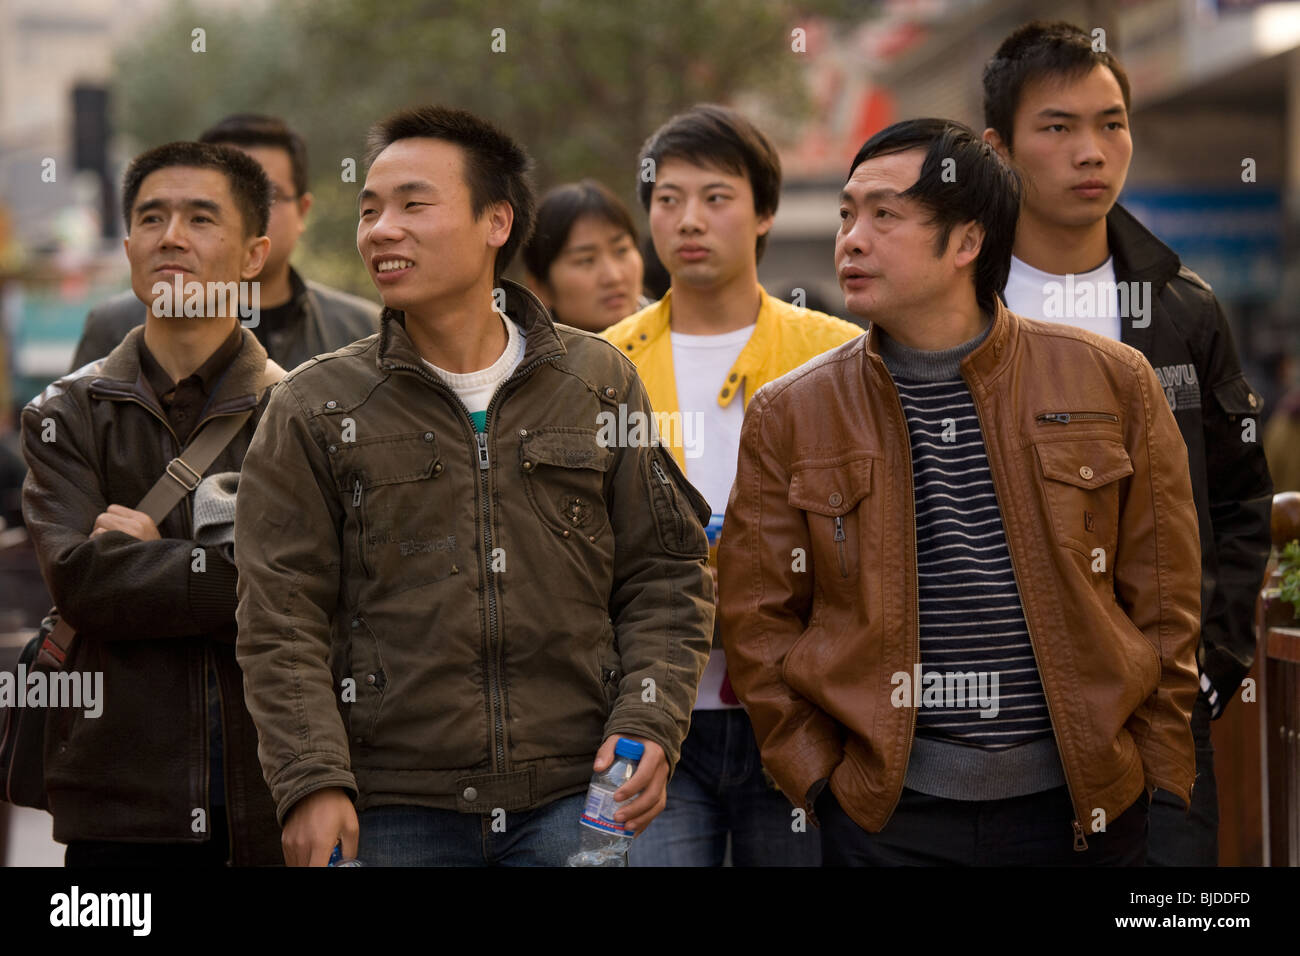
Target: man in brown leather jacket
(961,577)
(167,774)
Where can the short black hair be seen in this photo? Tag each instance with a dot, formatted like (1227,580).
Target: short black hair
(1031,52)
(558,212)
(978,187)
(712,135)
(255,129)
(248,183)
(497,169)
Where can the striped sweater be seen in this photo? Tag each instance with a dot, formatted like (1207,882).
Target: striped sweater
(982,728)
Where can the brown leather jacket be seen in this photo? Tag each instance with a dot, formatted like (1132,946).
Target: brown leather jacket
(811,651)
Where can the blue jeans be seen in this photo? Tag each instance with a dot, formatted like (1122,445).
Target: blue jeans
(1189,838)
(718,787)
(400,835)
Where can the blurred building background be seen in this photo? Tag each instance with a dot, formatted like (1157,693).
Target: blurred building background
(1214,82)
(86,84)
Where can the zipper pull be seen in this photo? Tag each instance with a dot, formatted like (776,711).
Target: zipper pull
(658,469)
(356,492)
(839,528)
(1080,844)
(1062,417)
(482,451)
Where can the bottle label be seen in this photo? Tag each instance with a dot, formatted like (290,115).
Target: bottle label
(599,812)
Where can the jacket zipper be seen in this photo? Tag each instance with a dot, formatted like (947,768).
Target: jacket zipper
(162,418)
(916,593)
(662,475)
(207,747)
(189,530)
(357,488)
(225,764)
(1064,418)
(1080,841)
(484,463)
(839,544)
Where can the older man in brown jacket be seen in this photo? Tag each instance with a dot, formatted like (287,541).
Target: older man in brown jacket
(960,579)
(167,774)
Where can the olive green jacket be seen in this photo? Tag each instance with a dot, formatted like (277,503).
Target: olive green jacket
(432,616)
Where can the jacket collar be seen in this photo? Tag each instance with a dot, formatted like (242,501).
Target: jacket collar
(985,363)
(1139,255)
(656,322)
(299,293)
(122,377)
(541,341)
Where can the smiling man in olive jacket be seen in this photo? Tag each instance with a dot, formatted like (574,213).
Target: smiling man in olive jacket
(461,577)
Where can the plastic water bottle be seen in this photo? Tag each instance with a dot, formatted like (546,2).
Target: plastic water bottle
(713,531)
(604,842)
(336,858)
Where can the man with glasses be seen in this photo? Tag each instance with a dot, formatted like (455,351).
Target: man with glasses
(297,319)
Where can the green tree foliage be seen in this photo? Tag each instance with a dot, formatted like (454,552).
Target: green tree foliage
(1289,568)
(581,84)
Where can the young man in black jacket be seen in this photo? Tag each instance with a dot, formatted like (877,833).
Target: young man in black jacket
(166,774)
(297,318)
(1057,109)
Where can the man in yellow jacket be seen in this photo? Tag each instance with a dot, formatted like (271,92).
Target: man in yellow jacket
(702,351)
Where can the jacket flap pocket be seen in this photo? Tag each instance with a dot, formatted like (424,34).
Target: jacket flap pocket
(1236,397)
(565,448)
(1088,463)
(833,488)
(386,460)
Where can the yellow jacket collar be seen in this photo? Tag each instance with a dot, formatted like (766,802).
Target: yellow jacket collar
(655,322)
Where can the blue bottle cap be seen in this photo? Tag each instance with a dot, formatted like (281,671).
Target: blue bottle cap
(631,749)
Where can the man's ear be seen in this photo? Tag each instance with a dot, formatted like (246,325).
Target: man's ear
(255,253)
(501,216)
(305,201)
(994,139)
(970,240)
(765,223)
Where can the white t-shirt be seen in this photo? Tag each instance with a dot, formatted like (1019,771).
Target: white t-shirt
(1087,300)
(477,388)
(711,440)
(710,433)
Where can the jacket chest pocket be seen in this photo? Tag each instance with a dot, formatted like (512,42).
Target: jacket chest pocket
(1081,484)
(389,489)
(563,474)
(839,509)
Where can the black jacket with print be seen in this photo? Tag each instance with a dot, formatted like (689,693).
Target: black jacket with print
(1186,338)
